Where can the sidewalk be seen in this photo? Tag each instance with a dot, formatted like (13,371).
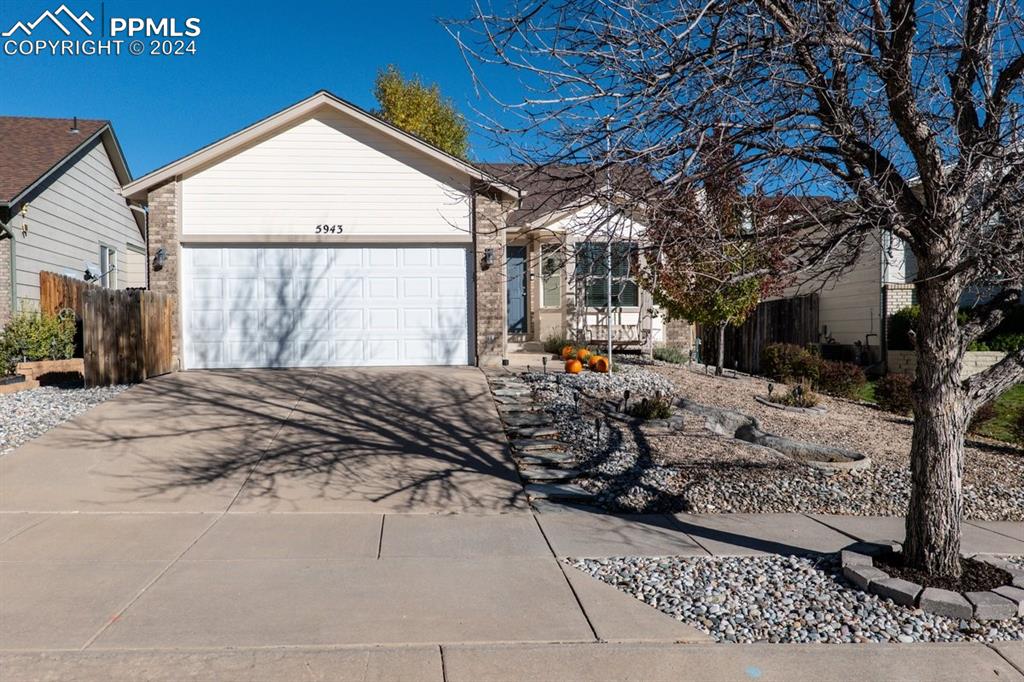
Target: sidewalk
(526,662)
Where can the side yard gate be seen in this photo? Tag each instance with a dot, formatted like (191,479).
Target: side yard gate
(789,320)
(126,333)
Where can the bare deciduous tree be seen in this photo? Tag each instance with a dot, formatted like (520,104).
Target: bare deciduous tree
(902,111)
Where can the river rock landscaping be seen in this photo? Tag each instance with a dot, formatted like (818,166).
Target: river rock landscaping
(30,414)
(781,599)
(688,468)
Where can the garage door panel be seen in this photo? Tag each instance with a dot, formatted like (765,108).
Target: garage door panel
(321,306)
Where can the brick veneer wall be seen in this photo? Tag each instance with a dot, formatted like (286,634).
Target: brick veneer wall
(679,334)
(5,281)
(905,361)
(165,231)
(489,227)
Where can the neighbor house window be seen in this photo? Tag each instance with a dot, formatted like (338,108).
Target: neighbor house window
(591,268)
(108,267)
(551,275)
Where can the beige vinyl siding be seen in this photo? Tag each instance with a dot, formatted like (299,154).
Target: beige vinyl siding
(68,221)
(134,273)
(327,169)
(849,305)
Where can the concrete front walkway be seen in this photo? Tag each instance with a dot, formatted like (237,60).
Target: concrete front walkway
(365,524)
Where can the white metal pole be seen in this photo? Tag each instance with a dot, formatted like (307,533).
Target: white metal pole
(608,264)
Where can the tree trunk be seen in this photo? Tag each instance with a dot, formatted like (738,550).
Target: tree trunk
(720,362)
(941,413)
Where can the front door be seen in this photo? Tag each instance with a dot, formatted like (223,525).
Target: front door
(516,271)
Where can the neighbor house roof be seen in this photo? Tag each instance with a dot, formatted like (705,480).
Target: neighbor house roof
(32,147)
(550,189)
(227,145)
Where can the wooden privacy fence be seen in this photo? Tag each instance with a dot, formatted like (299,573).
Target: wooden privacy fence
(125,333)
(788,320)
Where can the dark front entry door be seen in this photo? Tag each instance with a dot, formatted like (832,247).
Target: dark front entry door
(516,271)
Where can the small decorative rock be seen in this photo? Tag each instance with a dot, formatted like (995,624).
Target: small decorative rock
(946,603)
(991,606)
(902,592)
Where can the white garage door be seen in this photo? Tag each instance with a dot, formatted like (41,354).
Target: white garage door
(322,306)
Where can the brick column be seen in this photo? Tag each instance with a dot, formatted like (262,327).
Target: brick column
(164,232)
(6,300)
(490,215)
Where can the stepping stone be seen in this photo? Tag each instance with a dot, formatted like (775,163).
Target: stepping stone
(537,444)
(552,458)
(538,432)
(540,473)
(517,408)
(506,400)
(526,419)
(558,491)
(512,392)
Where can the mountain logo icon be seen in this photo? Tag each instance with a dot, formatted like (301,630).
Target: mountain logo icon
(53,17)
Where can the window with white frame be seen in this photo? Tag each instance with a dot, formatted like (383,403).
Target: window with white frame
(108,267)
(551,275)
(592,271)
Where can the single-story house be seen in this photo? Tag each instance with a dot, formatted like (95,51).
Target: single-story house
(61,208)
(324,236)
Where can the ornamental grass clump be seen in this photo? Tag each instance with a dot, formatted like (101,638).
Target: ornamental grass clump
(670,354)
(800,395)
(651,408)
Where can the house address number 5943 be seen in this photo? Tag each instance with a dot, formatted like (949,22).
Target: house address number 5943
(329,229)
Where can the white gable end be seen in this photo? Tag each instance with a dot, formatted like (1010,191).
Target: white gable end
(327,168)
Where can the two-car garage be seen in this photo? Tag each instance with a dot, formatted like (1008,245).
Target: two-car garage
(322,236)
(280,306)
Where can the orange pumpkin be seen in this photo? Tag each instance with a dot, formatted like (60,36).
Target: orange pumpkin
(592,360)
(567,352)
(573,366)
(583,355)
(601,364)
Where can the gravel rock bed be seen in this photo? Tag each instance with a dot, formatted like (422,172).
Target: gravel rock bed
(781,599)
(29,414)
(993,481)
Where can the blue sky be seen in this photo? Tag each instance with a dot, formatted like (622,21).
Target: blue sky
(253,58)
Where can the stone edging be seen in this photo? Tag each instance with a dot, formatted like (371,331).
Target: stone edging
(790,408)
(1002,603)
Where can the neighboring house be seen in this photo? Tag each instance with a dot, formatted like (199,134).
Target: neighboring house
(323,236)
(61,208)
(556,260)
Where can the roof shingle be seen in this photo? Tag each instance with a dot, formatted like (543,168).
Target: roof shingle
(29,147)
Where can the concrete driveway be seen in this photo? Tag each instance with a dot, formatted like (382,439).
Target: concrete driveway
(410,440)
(280,509)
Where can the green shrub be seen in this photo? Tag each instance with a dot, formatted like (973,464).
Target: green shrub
(787,363)
(985,413)
(893,393)
(900,325)
(555,342)
(31,336)
(1006,343)
(670,354)
(651,408)
(843,379)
